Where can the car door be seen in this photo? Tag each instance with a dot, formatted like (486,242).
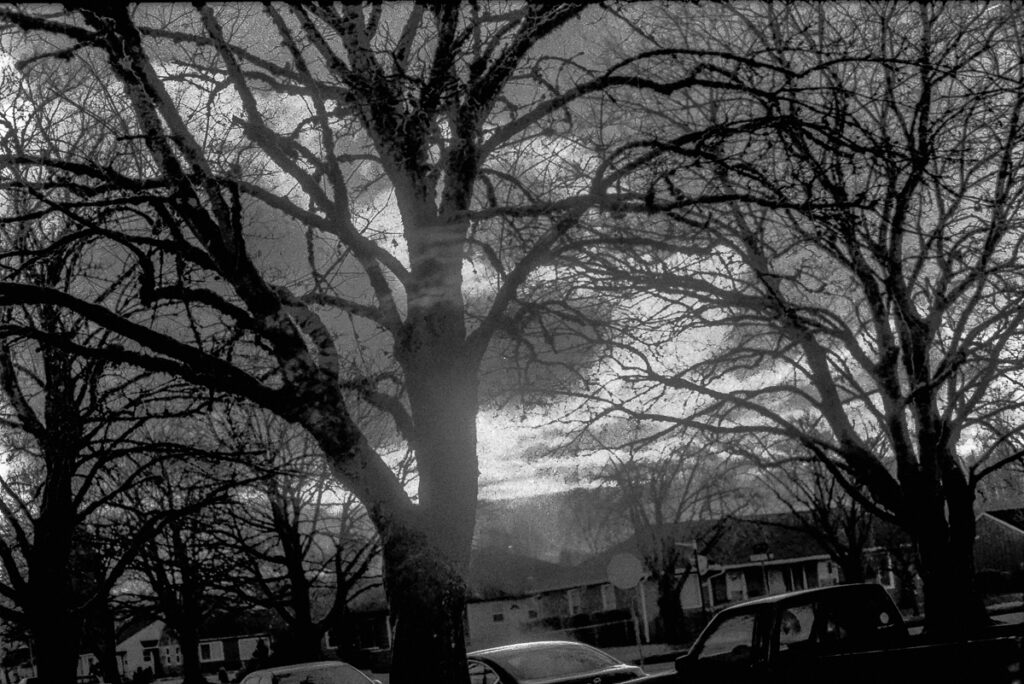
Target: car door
(729,651)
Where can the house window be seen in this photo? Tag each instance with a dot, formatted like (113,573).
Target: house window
(607,597)
(498,617)
(211,651)
(793,577)
(811,570)
(755,581)
(531,614)
(719,590)
(575,602)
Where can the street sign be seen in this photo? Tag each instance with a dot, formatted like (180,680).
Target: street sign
(625,570)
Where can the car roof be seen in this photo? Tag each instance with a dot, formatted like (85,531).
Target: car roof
(798,596)
(526,646)
(315,665)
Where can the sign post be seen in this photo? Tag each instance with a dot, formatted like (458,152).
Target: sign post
(626,571)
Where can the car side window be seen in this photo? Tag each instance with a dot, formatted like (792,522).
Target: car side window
(795,625)
(732,641)
(479,673)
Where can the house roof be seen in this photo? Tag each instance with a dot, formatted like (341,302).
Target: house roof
(496,573)
(730,542)
(727,542)
(242,623)
(135,624)
(1011,516)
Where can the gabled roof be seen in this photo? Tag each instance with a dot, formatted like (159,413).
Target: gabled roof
(496,573)
(1013,517)
(135,624)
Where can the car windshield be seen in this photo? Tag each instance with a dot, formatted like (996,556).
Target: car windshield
(553,660)
(333,674)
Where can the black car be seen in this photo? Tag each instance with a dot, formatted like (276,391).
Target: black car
(548,662)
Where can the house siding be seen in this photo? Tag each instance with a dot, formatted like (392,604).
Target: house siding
(499,622)
(131,651)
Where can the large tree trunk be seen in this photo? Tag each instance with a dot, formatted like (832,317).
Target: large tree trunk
(188,638)
(54,622)
(302,643)
(670,609)
(851,565)
(427,560)
(100,637)
(55,638)
(943,527)
(54,626)
(427,599)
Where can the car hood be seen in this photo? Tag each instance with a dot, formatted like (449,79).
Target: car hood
(622,673)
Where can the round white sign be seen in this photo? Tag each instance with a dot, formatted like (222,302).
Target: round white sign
(625,570)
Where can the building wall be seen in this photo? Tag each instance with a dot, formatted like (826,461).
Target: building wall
(498,622)
(775,578)
(130,652)
(998,546)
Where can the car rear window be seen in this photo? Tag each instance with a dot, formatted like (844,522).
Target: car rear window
(553,661)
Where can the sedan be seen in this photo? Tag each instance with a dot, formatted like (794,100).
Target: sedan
(323,672)
(548,662)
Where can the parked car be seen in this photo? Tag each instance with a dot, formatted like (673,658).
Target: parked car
(322,672)
(551,662)
(849,634)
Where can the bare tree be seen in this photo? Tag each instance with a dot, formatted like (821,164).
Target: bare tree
(661,488)
(74,419)
(820,508)
(892,317)
(302,131)
(184,573)
(304,549)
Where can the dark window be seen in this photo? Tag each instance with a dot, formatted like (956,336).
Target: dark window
(498,617)
(795,627)
(811,570)
(755,581)
(481,674)
(793,577)
(531,614)
(718,590)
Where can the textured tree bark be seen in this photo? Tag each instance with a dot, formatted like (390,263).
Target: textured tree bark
(952,604)
(54,625)
(427,599)
(188,640)
(54,621)
(670,609)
